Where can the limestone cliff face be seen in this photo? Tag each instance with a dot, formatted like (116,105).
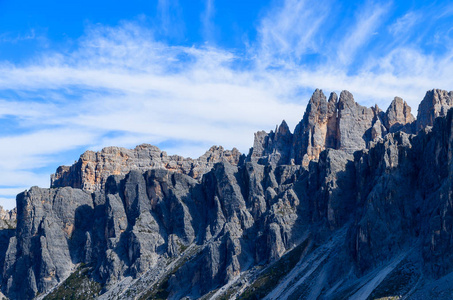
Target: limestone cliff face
(91,171)
(272,147)
(398,117)
(317,130)
(7,218)
(354,122)
(404,192)
(49,240)
(336,123)
(7,232)
(231,219)
(354,204)
(435,104)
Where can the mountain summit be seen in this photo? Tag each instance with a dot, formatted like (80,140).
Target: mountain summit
(356,203)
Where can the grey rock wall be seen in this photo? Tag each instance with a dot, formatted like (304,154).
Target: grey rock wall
(91,171)
(50,238)
(435,104)
(338,123)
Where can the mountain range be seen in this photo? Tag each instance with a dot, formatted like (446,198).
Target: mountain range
(356,203)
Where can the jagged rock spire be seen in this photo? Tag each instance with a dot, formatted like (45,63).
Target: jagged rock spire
(272,147)
(353,122)
(435,104)
(341,123)
(398,115)
(317,128)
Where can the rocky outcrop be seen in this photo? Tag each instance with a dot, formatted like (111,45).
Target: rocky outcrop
(91,171)
(336,123)
(354,122)
(273,147)
(235,217)
(7,218)
(435,104)
(398,117)
(50,239)
(317,130)
(7,232)
(404,193)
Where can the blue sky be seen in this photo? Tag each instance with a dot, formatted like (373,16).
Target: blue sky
(185,75)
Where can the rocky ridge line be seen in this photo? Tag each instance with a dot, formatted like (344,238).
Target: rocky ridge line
(92,169)
(336,123)
(391,197)
(342,124)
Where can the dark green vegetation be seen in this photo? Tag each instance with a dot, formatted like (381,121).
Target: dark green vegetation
(78,286)
(270,277)
(398,282)
(160,290)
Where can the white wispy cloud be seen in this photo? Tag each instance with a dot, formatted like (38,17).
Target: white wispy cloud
(365,27)
(404,24)
(169,17)
(14,38)
(207,16)
(290,31)
(122,86)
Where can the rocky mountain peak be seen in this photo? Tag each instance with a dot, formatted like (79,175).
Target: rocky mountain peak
(282,129)
(343,124)
(317,130)
(316,110)
(7,218)
(435,104)
(399,112)
(398,115)
(346,100)
(332,103)
(333,98)
(272,147)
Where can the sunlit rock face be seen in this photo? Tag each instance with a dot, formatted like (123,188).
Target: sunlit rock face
(398,117)
(91,171)
(435,104)
(7,218)
(336,123)
(356,203)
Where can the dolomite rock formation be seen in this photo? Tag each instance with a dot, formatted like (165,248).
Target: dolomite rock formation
(354,121)
(398,117)
(49,238)
(435,104)
(7,218)
(272,147)
(336,123)
(7,231)
(93,168)
(375,222)
(317,130)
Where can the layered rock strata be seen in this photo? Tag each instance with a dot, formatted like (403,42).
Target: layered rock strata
(92,169)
